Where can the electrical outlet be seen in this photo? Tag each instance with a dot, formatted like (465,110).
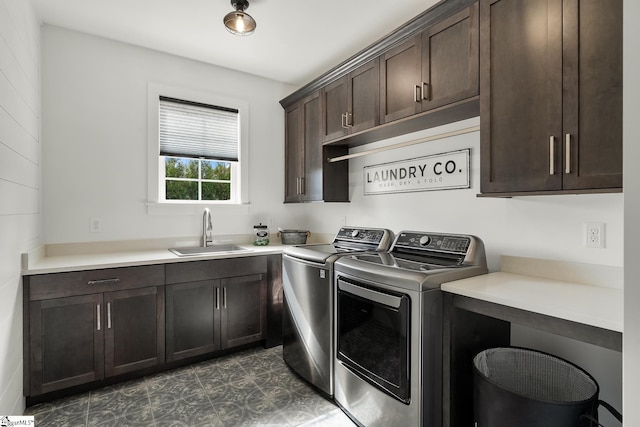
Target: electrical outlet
(95,225)
(594,234)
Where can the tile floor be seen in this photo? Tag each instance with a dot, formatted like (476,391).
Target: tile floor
(250,388)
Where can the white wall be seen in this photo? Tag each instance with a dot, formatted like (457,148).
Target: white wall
(631,124)
(94,132)
(19,182)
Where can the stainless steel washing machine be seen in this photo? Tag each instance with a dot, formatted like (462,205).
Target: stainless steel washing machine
(388,327)
(309,300)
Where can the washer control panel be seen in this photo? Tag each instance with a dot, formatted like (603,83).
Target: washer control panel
(432,242)
(363,235)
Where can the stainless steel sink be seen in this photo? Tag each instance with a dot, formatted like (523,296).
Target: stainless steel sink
(201,250)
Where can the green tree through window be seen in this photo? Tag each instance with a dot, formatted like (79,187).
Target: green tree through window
(197,179)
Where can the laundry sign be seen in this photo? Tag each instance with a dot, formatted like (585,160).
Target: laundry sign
(436,172)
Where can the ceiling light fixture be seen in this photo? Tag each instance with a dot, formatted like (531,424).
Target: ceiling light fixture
(239,22)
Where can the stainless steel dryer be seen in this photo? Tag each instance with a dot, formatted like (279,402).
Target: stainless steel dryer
(388,320)
(308,300)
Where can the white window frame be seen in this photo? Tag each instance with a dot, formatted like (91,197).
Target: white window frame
(155,163)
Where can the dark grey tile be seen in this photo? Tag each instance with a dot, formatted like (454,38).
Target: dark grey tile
(195,410)
(278,396)
(108,407)
(220,372)
(133,389)
(61,417)
(101,418)
(70,413)
(166,388)
(75,404)
(258,366)
(142,418)
(228,378)
(249,389)
(184,370)
(236,414)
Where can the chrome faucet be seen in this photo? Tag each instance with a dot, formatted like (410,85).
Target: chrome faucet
(207,228)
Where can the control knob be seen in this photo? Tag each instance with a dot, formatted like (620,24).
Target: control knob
(425,240)
(355,233)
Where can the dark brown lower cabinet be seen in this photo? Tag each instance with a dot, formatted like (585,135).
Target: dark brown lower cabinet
(80,339)
(192,315)
(211,315)
(244,314)
(134,334)
(67,342)
(83,327)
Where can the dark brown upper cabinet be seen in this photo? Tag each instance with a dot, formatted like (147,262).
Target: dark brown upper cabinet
(422,75)
(400,81)
(293,152)
(309,176)
(450,59)
(437,67)
(350,104)
(551,96)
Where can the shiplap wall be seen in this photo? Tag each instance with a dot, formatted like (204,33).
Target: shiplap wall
(19,182)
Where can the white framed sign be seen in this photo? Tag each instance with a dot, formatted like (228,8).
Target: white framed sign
(436,172)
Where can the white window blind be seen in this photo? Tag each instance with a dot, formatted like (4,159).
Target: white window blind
(190,129)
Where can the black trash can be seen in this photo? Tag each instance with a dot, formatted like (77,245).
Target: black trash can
(528,388)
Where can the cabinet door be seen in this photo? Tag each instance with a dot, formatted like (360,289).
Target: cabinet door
(66,342)
(294,153)
(520,95)
(592,102)
(400,81)
(193,319)
(450,59)
(311,184)
(134,330)
(363,88)
(244,308)
(335,110)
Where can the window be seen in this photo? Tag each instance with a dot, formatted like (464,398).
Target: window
(198,149)
(197,179)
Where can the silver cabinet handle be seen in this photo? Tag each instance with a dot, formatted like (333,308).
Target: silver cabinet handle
(298,185)
(98,312)
(103,281)
(417,95)
(567,154)
(348,116)
(108,315)
(425,91)
(552,146)
(302,186)
(344,121)
(217,298)
(224,297)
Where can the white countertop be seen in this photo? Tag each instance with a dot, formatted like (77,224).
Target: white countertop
(596,299)
(64,257)
(63,263)
(56,258)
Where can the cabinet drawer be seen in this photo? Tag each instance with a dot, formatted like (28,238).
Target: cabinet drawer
(215,269)
(56,285)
